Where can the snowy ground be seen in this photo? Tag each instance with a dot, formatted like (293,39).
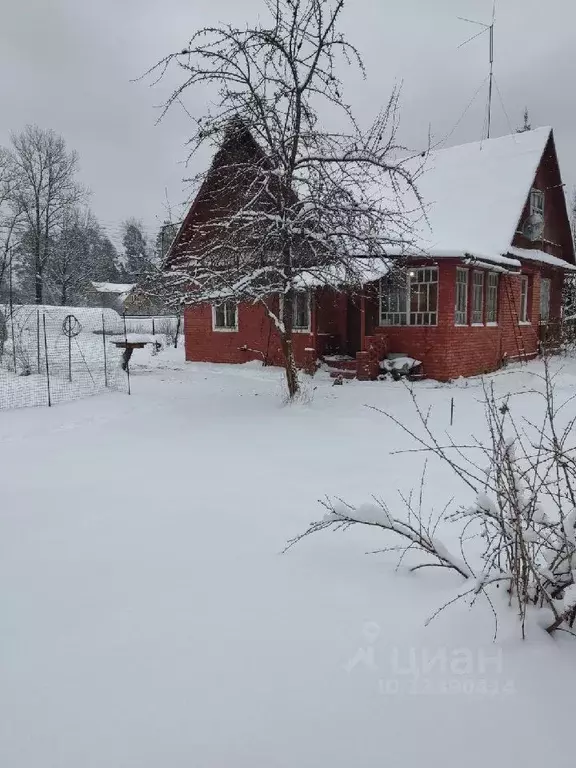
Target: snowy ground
(147,618)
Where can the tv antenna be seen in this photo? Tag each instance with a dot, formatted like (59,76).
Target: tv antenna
(490,29)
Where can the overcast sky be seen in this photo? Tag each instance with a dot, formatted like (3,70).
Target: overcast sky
(69,65)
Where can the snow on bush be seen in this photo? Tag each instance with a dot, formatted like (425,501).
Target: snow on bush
(519,533)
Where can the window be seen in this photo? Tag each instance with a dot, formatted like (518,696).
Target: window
(410,299)
(492,298)
(477,298)
(301,311)
(461,309)
(544,300)
(524,299)
(393,299)
(537,202)
(225,317)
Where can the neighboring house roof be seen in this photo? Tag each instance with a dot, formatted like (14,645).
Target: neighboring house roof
(474,195)
(118,288)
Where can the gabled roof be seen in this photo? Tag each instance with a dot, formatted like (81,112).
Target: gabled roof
(474,194)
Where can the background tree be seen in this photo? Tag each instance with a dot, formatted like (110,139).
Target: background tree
(10,219)
(138,259)
(45,190)
(312,199)
(527,126)
(164,239)
(74,260)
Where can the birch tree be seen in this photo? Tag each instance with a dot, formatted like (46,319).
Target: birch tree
(311,201)
(45,190)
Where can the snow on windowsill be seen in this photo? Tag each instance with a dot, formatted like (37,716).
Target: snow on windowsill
(225,330)
(491,325)
(524,322)
(477,325)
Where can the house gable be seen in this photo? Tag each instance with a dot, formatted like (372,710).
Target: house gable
(557,236)
(224,190)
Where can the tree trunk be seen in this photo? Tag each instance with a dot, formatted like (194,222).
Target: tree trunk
(290,365)
(39,287)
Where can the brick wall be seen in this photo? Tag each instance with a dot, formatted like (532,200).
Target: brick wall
(448,351)
(255,331)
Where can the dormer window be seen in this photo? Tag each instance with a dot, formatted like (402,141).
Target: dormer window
(536,202)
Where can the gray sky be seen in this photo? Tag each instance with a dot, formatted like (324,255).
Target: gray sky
(68,65)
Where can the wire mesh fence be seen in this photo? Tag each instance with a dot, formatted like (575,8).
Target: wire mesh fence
(49,355)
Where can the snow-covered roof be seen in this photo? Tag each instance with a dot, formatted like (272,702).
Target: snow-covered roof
(113,287)
(474,195)
(529,254)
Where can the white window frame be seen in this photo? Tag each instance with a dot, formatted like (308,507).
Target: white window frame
(545,281)
(403,315)
(225,328)
(295,328)
(461,292)
(524,295)
(477,292)
(536,202)
(492,286)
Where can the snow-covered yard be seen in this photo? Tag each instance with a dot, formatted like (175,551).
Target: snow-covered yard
(147,617)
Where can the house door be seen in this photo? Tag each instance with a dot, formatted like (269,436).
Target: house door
(353,326)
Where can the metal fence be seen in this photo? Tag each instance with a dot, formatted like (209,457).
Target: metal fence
(49,355)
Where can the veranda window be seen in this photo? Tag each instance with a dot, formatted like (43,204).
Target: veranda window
(524,299)
(544,300)
(477,298)
(411,298)
(225,317)
(461,309)
(492,298)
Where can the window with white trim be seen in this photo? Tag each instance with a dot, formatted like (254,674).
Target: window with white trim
(410,299)
(301,311)
(393,299)
(524,299)
(536,202)
(492,298)
(423,296)
(461,306)
(544,300)
(477,298)
(225,316)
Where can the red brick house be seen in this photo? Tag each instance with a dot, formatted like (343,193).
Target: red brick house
(482,285)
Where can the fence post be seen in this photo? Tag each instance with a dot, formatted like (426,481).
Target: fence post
(127,356)
(451,411)
(105,359)
(70,350)
(38,340)
(153,328)
(46,356)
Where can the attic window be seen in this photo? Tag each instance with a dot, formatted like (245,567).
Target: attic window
(536,202)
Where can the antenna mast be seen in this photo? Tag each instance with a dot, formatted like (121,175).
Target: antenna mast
(490,29)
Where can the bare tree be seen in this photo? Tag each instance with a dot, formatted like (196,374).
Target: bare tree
(10,215)
(75,257)
(293,203)
(45,190)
